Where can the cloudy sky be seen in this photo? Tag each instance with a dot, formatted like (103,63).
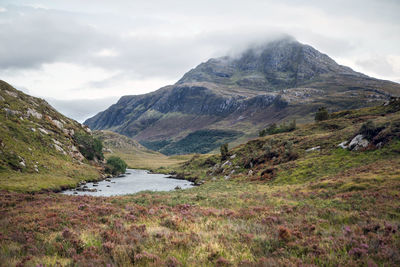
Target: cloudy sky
(82,56)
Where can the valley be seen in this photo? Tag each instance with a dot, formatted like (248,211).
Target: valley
(294,161)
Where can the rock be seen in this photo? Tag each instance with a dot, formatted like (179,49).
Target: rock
(232,172)
(227,177)
(87,129)
(343,144)
(226,164)
(250,173)
(107,150)
(33,129)
(22,163)
(177,187)
(233,156)
(56,142)
(57,123)
(358,142)
(1,98)
(213,179)
(317,148)
(69,132)
(59,148)
(13,94)
(10,112)
(43,131)
(34,113)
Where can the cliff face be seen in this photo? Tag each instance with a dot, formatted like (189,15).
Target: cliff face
(238,95)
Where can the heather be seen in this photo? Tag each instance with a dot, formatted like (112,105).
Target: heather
(299,198)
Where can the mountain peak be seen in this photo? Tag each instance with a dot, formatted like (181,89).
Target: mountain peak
(274,65)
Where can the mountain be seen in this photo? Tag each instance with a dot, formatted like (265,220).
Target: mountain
(229,99)
(39,147)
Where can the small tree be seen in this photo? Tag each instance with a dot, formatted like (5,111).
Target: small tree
(90,147)
(322,114)
(115,165)
(262,133)
(224,151)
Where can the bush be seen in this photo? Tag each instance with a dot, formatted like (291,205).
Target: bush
(369,130)
(322,114)
(274,129)
(224,151)
(90,147)
(116,165)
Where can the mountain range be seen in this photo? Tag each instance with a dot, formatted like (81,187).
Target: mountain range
(229,99)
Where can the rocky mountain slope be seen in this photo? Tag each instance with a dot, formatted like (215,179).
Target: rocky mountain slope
(39,147)
(229,99)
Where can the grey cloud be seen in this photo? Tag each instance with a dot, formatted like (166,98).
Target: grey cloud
(377,64)
(31,37)
(81,109)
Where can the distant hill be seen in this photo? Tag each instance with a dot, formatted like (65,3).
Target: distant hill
(136,155)
(229,99)
(39,147)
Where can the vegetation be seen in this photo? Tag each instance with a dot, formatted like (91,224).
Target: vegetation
(134,154)
(115,165)
(202,141)
(322,114)
(274,129)
(90,147)
(37,150)
(224,151)
(323,207)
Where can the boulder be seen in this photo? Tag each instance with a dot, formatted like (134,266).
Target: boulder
(43,131)
(358,142)
(317,148)
(343,144)
(32,112)
(226,164)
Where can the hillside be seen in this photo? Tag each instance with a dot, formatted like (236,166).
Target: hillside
(300,198)
(133,153)
(229,99)
(39,147)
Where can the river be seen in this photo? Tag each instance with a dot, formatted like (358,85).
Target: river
(134,181)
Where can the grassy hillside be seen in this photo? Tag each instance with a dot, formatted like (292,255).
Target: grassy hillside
(37,146)
(290,199)
(134,154)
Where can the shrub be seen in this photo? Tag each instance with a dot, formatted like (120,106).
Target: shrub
(115,165)
(322,114)
(224,151)
(274,129)
(370,130)
(90,147)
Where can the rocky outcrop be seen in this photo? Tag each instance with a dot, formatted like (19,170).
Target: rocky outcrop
(358,142)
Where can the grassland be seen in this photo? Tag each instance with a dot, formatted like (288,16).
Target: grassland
(37,148)
(273,204)
(136,155)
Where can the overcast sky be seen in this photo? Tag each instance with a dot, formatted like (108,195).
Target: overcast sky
(95,51)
